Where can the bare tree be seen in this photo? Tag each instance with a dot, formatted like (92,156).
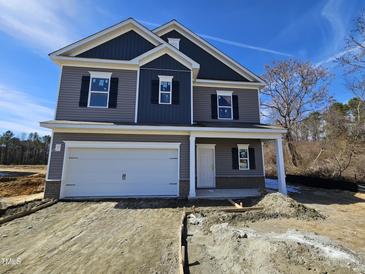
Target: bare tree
(293,90)
(353,58)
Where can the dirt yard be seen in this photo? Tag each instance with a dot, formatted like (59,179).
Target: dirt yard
(104,237)
(19,184)
(284,237)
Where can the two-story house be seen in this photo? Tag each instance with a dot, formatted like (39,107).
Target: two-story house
(156,113)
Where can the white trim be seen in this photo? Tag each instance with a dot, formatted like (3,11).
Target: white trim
(137,98)
(108,34)
(174,25)
(94,63)
(263,158)
(164,78)
(259,103)
(227,84)
(103,144)
(191,99)
(102,127)
(192,148)
(175,42)
(280,168)
(171,51)
(224,93)
(243,146)
(98,74)
(49,156)
(209,146)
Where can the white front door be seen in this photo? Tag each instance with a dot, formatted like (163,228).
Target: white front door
(206,165)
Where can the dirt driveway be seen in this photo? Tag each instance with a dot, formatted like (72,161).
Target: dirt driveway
(91,237)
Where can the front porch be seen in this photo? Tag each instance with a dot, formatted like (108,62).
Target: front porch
(230,165)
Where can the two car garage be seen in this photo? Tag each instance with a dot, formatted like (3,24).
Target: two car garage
(117,169)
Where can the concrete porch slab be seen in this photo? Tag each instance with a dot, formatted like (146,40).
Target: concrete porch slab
(226,193)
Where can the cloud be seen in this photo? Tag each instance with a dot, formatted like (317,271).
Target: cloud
(40,24)
(225,41)
(19,112)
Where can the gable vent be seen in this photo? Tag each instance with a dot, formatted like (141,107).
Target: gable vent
(175,42)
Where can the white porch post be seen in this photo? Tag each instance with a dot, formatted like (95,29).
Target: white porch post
(280,169)
(192,167)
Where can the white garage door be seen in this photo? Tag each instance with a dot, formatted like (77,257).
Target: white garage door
(113,172)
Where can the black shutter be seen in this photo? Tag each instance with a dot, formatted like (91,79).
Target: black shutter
(84,91)
(234,158)
(175,92)
(113,93)
(251,154)
(214,106)
(154,91)
(235,107)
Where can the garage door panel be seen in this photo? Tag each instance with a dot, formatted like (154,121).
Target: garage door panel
(121,172)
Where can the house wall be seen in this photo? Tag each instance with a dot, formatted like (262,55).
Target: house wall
(124,47)
(248,104)
(69,94)
(149,113)
(56,159)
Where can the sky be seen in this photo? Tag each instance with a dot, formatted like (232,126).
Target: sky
(253,32)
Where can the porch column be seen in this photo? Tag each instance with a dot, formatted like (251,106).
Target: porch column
(280,169)
(192,167)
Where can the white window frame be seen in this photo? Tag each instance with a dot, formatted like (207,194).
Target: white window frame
(224,93)
(164,78)
(243,146)
(175,42)
(97,74)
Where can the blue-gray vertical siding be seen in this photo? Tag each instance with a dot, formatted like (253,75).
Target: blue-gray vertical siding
(210,67)
(124,47)
(69,94)
(149,113)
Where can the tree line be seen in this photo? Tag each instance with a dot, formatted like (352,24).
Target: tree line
(26,150)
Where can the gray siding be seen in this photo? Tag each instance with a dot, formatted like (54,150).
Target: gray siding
(124,47)
(149,113)
(56,162)
(247,101)
(69,94)
(210,67)
(223,156)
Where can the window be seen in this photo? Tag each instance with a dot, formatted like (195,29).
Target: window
(175,42)
(243,162)
(165,89)
(99,89)
(224,105)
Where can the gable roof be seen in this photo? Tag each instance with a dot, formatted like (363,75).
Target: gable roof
(106,35)
(174,25)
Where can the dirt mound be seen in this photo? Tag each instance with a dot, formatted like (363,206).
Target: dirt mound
(228,249)
(24,185)
(277,204)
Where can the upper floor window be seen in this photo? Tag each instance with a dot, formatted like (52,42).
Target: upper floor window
(99,89)
(224,105)
(175,42)
(165,89)
(243,162)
